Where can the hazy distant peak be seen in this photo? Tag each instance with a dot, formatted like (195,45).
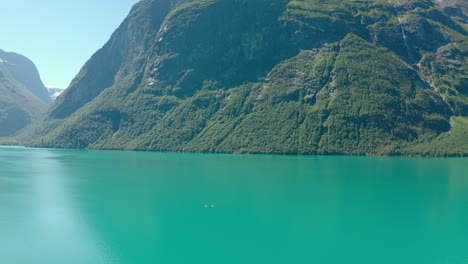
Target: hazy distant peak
(20,86)
(24,71)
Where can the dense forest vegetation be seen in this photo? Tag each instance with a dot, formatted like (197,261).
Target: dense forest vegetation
(372,77)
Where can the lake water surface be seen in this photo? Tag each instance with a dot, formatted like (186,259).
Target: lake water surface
(93,207)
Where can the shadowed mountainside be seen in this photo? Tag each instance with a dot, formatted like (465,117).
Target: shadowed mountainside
(23,97)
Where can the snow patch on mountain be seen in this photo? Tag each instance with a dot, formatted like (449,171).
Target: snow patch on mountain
(54,92)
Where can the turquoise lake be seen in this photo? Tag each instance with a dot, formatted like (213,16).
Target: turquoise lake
(87,207)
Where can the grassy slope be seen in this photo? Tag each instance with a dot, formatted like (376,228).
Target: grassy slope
(8,141)
(452,143)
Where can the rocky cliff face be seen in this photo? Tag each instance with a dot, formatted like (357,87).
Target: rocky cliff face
(22,97)
(309,77)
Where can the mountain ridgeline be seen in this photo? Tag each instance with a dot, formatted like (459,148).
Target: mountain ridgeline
(370,77)
(23,97)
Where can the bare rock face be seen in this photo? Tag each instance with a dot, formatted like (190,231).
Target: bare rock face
(271,76)
(455,9)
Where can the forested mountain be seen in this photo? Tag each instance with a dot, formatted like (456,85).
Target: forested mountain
(273,76)
(23,96)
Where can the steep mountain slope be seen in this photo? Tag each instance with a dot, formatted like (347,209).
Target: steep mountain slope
(19,87)
(25,72)
(308,77)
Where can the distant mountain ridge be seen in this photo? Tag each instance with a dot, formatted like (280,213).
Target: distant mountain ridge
(25,72)
(23,97)
(374,77)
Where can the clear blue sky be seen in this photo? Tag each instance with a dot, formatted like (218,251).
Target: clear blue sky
(59,36)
